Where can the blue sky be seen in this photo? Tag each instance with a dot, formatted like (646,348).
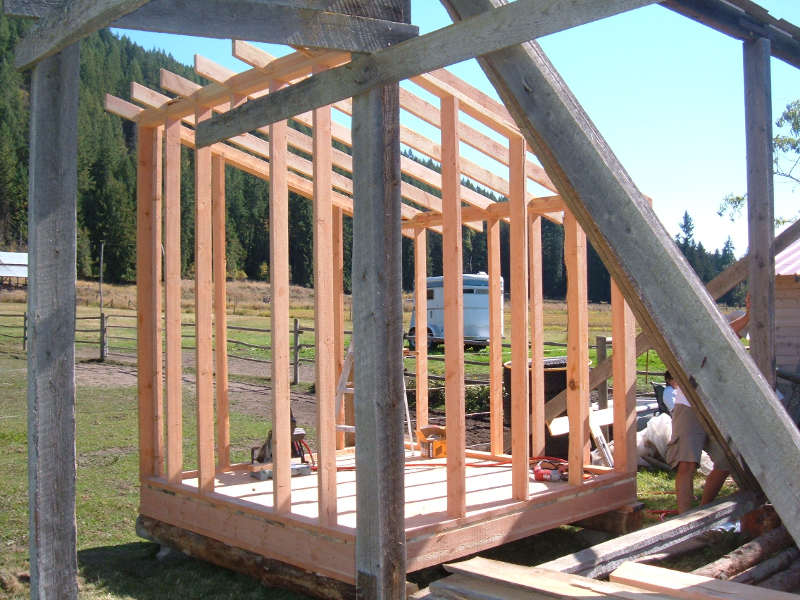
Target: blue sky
(666,93)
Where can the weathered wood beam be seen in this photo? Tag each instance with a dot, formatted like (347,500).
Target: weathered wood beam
(264,21)
(52,199)
(600,560)
(760,204)
(378,337)
(511,24)
(69,24)
(730,395)
(743,25)
(31,8)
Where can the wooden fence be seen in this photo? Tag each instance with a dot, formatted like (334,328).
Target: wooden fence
(115,335)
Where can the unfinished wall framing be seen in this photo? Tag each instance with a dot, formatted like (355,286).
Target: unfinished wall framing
(310,522)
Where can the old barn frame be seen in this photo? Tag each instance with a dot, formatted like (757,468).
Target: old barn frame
(595,196)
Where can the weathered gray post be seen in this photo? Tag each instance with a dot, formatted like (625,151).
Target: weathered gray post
(295,378)
(378,327)
(760,209)
(103,347)
(52,196)
(602,389)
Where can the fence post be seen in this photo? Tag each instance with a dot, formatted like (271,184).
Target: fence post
(103,348)
(295,378)
(25,332)
(602,389)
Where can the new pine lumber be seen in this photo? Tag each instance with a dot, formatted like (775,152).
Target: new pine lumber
(506,578)
(689,586)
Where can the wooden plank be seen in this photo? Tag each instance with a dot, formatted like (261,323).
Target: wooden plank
(445,541)
(274,24)
(254,80)
(378,334)
(623,331)
(268,571)
(51,326)
(495,337)
(518,249)
(203,314)
(577,348)
(452,269)
(504,26)
(233,522)
(421,324)
(537,579)
(63,27)
(172,294)
(714,370)
(279,284)
(689,586)
(760,205)
(30,8)
(146,188)
(536,299)
(338,308)
(156,350)
(218,207)
(324,317)
(601,559)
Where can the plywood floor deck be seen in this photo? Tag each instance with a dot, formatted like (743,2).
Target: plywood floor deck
(488,486)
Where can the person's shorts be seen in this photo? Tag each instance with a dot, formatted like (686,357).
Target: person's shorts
(689,439)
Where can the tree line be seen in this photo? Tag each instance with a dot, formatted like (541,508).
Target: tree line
(107,188)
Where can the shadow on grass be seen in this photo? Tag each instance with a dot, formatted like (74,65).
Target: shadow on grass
(133,571)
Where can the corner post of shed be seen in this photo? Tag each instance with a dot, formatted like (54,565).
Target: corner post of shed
(760,204)
(52,198)
(378,334)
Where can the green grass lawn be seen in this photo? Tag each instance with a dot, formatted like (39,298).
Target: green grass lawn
(114,563)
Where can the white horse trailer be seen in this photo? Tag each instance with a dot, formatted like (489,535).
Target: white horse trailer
(476,311)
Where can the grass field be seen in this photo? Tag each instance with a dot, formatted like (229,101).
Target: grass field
(248,310)
(114,563)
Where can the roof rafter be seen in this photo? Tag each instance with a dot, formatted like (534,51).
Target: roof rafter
(63,27)
(501,27)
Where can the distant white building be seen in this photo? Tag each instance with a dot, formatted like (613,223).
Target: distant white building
(13,264)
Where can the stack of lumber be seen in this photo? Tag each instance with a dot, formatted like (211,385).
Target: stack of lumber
(484,579)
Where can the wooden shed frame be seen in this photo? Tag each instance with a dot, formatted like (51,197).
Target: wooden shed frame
(445,502)
(732,395)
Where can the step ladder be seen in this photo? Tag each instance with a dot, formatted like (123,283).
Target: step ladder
(342,389)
